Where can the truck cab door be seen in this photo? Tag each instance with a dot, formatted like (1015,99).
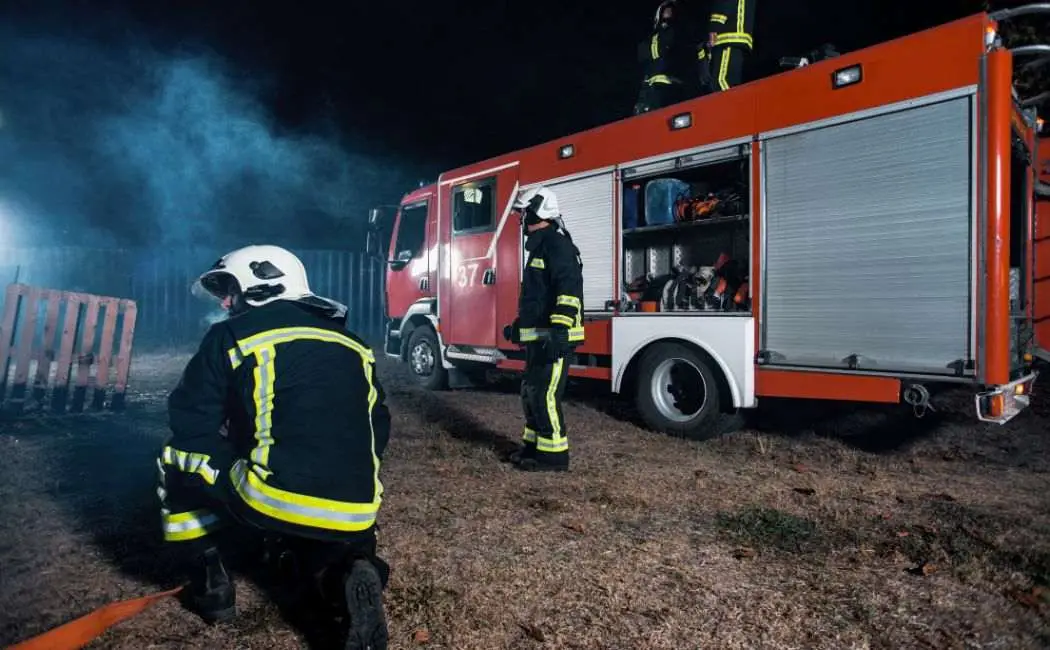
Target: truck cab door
(1041,251)
(408,275)
(477,208)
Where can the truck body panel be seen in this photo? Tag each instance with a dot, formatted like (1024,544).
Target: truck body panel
(869,223)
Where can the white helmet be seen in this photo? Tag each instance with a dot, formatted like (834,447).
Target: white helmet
(541,201)
(258,275)
(658,18)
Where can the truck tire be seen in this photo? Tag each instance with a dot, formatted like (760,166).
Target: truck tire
(424,359)
(677,392)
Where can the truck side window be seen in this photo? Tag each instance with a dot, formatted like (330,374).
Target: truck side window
(473,206)
(412,232)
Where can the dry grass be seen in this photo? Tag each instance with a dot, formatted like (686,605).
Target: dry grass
(825,530)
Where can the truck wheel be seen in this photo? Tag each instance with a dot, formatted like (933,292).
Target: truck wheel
(424,359)
(677,392)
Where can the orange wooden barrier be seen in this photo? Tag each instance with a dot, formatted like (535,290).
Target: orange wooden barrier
(79,632)
(71,361)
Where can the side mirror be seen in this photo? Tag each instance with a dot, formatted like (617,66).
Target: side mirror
(372,245)
(402,260)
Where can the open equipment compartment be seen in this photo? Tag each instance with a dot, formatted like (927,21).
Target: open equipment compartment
(686,234)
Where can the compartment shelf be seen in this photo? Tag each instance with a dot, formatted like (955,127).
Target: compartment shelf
(684,225)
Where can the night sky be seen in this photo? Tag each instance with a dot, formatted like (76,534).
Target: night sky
(434,85)
(449,82)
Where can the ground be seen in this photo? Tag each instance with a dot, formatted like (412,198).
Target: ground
(834,528)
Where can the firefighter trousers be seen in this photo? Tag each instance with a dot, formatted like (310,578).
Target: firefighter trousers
(542,389)
(654,96)
(200,512)
(727,66)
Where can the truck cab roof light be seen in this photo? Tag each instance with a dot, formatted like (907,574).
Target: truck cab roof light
(681,121)
(846,77)
(566,151)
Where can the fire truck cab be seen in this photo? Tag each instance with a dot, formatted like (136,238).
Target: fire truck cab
(872,239)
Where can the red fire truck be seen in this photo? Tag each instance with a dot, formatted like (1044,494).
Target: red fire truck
(861,229)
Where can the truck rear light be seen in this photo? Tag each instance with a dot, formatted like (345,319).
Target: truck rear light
(1003,403)
(846,77)
(990,36)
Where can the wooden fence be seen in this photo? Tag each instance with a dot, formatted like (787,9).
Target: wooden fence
(45,365)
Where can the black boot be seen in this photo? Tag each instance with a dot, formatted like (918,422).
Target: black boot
(525,452)
(364,603)
(211,591)
(545,463)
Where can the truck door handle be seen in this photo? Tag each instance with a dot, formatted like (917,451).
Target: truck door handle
(489,277)
(424,283)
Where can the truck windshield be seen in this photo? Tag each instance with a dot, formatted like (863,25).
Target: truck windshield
(411,233)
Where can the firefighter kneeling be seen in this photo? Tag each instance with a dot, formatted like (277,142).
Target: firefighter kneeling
(550,325)
(305,429)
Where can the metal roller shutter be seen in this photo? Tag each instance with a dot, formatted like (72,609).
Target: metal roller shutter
(867,242)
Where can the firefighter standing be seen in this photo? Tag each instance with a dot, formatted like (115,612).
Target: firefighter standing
(305,429)
(667,57)
(730,39)
(550,325)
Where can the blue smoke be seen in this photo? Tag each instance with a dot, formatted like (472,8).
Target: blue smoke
(122,145)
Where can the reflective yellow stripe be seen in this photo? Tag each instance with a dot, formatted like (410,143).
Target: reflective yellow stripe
(528,435)
(659,79)
(701,54)
(191,463)
(551,445)
(568,301)
(654,47)
(184,526)
(529,334)
(741,5)
(723,70)
(734,38)
(558,319)
(262,398)
(300,509)
(552,409)
(263,346)
(719,18)
(537,263)
(287,334)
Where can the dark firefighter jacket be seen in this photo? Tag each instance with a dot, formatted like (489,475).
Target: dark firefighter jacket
(304,412)
(733,22)
(551,287)
(667,56)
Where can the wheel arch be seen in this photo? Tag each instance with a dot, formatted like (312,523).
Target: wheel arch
(419,314)
(728,392)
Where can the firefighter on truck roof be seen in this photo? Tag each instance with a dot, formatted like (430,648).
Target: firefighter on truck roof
(550,325)
(667,57)
(730,40)
(305,429)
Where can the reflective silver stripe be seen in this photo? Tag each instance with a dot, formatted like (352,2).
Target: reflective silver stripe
(295,512)
(552,445)
(191,463)
(285,334)
(197,522)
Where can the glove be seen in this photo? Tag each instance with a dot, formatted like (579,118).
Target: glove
(510,332)
(557,346)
